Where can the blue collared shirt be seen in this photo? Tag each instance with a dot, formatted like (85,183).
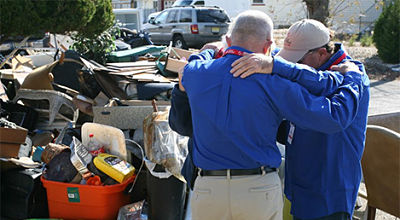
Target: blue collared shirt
(323,169)
(235,120)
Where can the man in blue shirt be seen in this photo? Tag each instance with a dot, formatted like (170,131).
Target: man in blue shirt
(235,122)
(323,169)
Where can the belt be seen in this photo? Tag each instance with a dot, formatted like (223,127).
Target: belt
(237,172)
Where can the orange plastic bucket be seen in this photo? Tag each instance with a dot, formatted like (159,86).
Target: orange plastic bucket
(76,201)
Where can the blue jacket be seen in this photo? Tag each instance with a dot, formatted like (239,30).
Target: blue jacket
(225,135)
(323,169)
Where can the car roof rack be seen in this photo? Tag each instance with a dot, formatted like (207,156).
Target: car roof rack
(184,6)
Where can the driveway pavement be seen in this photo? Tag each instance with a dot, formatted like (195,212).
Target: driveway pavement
(385,97)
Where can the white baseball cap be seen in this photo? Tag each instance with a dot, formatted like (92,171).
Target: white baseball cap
(303,36)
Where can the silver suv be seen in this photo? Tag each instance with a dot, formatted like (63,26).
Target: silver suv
(188,26)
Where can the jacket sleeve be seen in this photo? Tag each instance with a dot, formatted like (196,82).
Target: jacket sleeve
(329,114)
(320,83)
(203,55)
(180,118)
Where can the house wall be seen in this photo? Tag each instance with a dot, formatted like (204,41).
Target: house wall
(282,12)
(121,4)
(146,7)
(353,16)
(347,16)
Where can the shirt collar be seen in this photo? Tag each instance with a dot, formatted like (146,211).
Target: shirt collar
(239,48)
(334,57)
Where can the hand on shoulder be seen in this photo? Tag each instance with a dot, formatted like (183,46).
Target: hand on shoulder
(252,63)
(346,67)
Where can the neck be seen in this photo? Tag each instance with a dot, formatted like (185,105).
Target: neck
(253,47)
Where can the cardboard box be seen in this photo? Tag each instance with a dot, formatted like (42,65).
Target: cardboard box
(11,140)
(177,59)
(126,117)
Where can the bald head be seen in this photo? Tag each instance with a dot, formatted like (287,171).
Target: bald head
(251,30)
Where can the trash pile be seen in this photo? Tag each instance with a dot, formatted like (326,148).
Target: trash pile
(86,137)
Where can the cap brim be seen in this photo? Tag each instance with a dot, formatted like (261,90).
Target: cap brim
(291,55)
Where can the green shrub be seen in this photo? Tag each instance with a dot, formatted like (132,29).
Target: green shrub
(352,39)
(32,17)
(96,48)
(102,20)
(387,33)
(366,40)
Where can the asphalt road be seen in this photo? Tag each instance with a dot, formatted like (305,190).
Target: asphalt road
(385,97)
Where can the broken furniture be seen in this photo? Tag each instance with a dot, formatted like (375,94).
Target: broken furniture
(128,116)
(381,170)
(56,101)
(40,78)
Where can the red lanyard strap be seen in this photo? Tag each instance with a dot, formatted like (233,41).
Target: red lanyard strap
(234,52)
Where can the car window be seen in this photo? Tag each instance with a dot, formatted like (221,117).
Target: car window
(186,15)
(207,15)
(172,16)
(161,18)
(129,21)
(182,3)
(199,3)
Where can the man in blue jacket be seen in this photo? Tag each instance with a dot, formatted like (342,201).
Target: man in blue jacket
(235,122)
(323,169)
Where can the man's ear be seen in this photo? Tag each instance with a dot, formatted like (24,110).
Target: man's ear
(228,40)
(323,55)
(322,52)
(267,46)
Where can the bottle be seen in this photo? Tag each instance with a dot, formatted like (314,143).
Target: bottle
(94,147)
(114,167)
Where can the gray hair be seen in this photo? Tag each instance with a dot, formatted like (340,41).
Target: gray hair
(252,24)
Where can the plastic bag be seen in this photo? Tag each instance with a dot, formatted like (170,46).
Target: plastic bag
(131,212)
(163,145)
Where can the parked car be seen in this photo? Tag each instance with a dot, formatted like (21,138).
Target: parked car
(188,26)
(180,3)
(152,16)
(232,7)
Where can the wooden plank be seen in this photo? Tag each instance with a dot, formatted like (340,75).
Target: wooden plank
(181,53)
(175,65)
(150,77)
(132,64)
(129,73)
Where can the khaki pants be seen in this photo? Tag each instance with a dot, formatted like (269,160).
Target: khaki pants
(238,197)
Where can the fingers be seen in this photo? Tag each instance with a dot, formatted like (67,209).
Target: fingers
(240,71)
(241,63)
(205,47)
(248,72)
(346,67)
(335,68)
(216,46)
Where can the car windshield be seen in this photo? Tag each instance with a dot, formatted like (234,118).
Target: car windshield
(207,15)
(182,3)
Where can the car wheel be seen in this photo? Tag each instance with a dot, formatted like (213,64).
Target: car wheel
(179,42)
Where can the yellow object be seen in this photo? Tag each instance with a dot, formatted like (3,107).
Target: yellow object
(114,167)
(286,210)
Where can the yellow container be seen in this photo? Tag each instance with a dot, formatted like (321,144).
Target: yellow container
(114,167)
